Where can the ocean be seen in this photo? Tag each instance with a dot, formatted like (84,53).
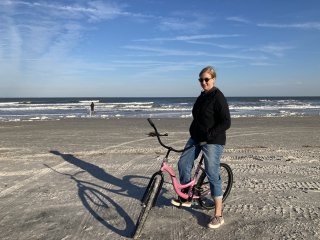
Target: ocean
(39,109)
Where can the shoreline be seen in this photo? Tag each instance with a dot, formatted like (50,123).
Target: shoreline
(167,107)
(153,117)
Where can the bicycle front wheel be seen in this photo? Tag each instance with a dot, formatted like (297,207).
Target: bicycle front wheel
(147,205)
(203,186)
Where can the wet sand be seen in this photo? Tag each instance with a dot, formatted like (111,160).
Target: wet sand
(83,178)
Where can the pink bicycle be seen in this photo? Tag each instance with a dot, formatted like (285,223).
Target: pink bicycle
(198,188)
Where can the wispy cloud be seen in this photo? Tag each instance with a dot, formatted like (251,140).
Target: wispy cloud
(238,19)
(305,26)
(153,63)
(194,39)
(46,29)
(93,11)
(37,39)
(184,21)
(165,68)
(50,30)
(189,37)
(262,64)
(302,25)
(176,24)
(165,51)
(224,46)
(175,52)
(277,50)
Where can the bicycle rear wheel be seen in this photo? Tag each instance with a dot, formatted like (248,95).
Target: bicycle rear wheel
(203,186)
(147,205)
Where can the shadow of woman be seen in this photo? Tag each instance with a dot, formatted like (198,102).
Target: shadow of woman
(96,201)
(124,185)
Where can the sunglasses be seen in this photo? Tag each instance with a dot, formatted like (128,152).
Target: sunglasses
(204,79)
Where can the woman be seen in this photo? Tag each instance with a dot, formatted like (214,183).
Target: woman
(211,119)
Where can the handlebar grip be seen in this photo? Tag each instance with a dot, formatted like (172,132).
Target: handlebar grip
(161,143)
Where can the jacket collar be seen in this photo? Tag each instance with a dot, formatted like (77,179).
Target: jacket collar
(203,93)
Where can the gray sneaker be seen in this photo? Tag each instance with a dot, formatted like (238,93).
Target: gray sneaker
(216,222)
(179,202)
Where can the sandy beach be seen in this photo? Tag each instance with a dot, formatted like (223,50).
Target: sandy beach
(83,178)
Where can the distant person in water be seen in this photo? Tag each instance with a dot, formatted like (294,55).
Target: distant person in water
(91,108)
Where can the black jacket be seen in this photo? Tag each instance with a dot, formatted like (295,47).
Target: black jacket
(211,118)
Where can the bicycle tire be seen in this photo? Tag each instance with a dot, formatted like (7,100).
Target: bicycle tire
(149,203)
(203,186)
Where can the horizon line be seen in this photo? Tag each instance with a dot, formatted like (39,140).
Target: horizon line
(166,96)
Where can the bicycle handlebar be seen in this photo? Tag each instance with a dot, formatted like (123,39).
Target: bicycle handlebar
(161,143)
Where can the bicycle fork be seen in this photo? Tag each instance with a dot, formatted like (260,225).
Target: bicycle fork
(144,198)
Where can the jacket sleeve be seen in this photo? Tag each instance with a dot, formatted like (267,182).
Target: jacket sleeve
(222,116)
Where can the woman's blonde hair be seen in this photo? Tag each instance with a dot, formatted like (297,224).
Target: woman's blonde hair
(210,70)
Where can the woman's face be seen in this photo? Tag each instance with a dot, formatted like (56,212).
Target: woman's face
(206,81)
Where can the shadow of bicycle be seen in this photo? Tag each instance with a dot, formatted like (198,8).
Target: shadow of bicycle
(95,199)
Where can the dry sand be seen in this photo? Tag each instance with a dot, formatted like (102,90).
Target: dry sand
(82,179)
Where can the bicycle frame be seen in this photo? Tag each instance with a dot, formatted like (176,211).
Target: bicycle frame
(166,168)
(175,183)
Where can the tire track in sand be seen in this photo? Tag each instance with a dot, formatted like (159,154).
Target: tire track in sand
(287,211)
(276,185)
(30,179)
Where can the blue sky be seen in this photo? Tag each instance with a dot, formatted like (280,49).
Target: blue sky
(157,48)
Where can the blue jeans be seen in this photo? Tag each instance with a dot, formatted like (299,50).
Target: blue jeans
(212,154)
